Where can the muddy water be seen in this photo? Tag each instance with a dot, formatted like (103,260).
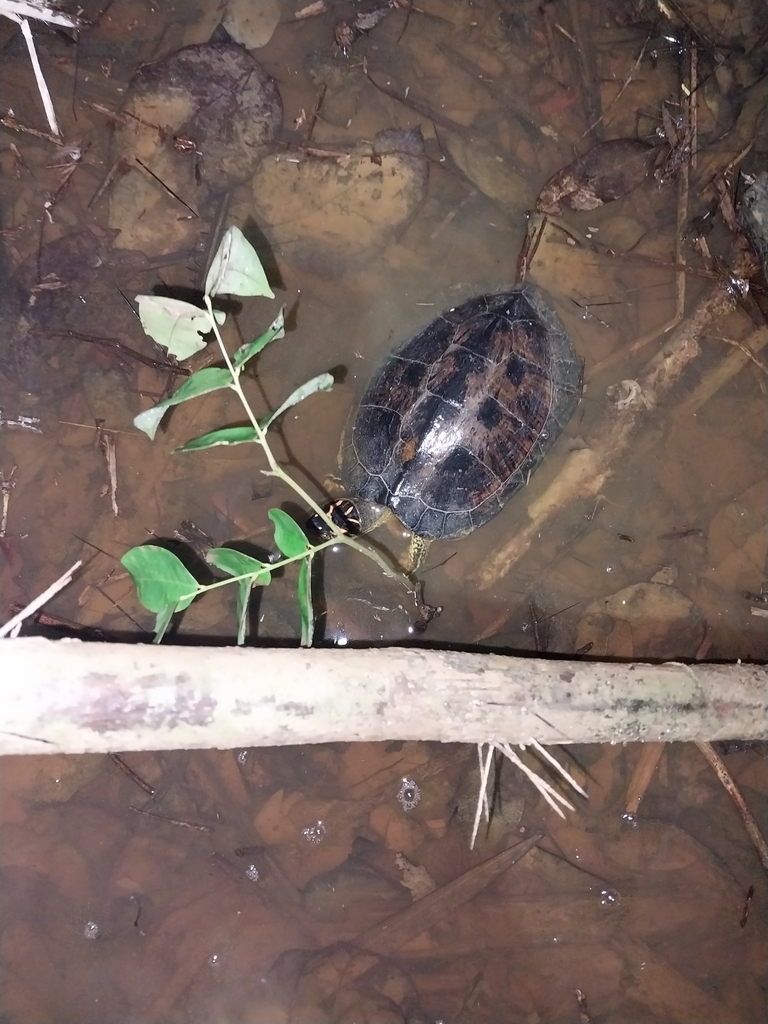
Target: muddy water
(115,914)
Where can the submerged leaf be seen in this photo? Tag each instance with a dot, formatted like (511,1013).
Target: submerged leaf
(176,325)
(606,172)
(244,588)
(227,435)
(162,622)
(305,602)
(323,382)
(275,330)
(235,563)
(236,268)
(212,378)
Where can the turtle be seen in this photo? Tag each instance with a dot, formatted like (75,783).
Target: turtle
(456,419)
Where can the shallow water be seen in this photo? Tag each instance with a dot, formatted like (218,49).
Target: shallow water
(641,915)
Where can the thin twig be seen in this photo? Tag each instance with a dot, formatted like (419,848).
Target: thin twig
(735,794)
(618,95)
(556,764)
(106,443)
(482,796)
(172,821)
(45,95)
(486,808)
(693,106)
(6,486)
(549,793)
(749,354)
(116,759)
(16,126)
(14,624)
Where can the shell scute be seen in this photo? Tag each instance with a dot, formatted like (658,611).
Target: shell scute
(457,418)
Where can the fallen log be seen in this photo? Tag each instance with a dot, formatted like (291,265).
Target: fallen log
(67,696)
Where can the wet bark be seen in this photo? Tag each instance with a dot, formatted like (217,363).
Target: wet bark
(72,697)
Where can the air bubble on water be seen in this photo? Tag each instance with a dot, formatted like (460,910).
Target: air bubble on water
(314,833)
(91,930)
(409,795)
(252,872)
(609,898)
(242,756)
(213,959)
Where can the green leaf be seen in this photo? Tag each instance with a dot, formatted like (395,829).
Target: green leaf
(212,378)
(161,578)
(305,602)
(236,269)
(176,325)
(289,536)
(243,596)
(324,382)
(162,622)
(227,435)
(235,563)
(275,330)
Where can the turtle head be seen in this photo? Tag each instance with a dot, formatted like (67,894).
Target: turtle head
(342,512)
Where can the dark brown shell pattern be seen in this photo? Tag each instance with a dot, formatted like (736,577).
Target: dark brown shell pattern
(456,419)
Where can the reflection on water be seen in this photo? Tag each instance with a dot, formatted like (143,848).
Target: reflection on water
(415,140)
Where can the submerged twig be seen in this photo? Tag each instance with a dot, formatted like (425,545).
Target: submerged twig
(16,126)
(42,87)
(106,444)
(6,486)
(482,798)
(619,94)
(173,821)
(12,626)
(117,760)
(549,792)
(735,794)
(117,170)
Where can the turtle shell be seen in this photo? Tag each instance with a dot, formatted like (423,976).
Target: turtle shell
(456,419)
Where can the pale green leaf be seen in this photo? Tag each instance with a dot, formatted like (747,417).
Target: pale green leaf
(243,597)
(235,563)
(275,330)
(162,622)
(227,435)
(212,378)
(323,382)
(176,325)
(236,268)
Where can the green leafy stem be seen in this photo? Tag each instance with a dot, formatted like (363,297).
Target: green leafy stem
(163,583)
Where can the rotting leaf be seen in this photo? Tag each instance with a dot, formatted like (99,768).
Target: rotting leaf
(608,171)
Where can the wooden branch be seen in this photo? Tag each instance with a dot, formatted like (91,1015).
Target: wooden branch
(66,696)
